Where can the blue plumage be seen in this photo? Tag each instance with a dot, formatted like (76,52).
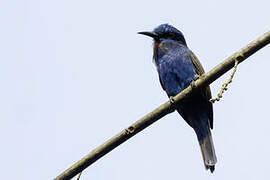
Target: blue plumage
(174,66)
(177,67)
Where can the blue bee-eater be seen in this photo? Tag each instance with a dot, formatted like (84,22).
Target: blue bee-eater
(178,67)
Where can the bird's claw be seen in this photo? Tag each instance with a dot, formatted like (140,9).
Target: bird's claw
(192,84)
(172,101)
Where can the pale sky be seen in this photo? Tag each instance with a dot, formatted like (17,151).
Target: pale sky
(75,73)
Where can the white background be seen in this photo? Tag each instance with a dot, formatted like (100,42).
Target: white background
(75,73)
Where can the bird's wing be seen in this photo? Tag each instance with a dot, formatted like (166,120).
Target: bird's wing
(206,90)
(161,83)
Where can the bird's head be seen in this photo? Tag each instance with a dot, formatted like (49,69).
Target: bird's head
(165,32)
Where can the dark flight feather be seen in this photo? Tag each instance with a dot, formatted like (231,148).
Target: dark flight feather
(206,91)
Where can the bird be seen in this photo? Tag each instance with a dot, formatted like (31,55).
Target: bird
(177,68)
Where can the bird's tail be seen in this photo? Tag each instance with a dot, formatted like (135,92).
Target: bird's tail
(208,152)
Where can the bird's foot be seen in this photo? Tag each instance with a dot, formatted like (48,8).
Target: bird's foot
(192,80)
(197,76)
(192,84)
(172,101)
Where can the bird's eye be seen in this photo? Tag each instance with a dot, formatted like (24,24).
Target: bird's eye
(169,36)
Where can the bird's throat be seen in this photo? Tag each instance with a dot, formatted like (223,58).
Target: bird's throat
(157,45)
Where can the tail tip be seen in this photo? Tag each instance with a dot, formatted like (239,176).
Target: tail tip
(212,168)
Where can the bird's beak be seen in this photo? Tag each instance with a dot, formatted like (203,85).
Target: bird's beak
(150,34)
